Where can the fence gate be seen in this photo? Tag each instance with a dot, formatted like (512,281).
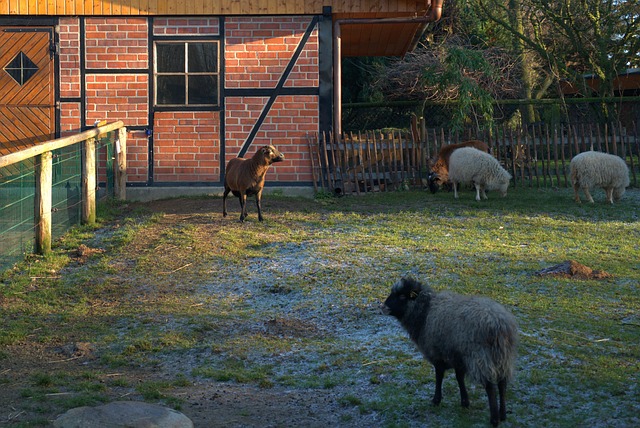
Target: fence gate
(27,96)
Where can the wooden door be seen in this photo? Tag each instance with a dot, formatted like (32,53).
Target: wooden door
(27,95)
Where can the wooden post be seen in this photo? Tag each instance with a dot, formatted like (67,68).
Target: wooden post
(89,182)
(120,166)
(44,181)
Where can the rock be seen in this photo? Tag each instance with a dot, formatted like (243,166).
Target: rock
(573,269)
(123,414)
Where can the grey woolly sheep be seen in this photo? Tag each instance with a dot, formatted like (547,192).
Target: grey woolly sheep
(470,165)
(596,169)
(475,336)
(439,174)
(245,177)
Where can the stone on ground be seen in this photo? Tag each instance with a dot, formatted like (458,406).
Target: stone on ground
(121,414)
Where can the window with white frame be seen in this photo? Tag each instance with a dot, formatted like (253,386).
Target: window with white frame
(186,73)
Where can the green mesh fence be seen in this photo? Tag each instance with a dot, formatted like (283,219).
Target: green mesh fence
(17,197)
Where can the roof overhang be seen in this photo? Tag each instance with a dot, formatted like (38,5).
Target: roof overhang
(384,34)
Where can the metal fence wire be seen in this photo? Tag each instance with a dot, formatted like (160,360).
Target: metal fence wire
(17,197)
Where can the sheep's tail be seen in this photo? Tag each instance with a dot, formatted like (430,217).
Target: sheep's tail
(496,360)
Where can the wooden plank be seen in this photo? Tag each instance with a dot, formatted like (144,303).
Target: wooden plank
(354,163)
(325,148)
(370,160)
(120,165)
(119,8)
(637,140)
(361,164)
(380,165)
(59,143)
(44,181)
(89,182)
(334,164)
(353,9)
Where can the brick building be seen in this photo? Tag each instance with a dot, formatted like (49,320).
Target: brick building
(196,83)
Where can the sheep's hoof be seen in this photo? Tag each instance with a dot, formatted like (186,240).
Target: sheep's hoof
(465,403)
(436,401)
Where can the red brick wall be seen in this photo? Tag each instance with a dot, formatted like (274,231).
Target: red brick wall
(187,144)
(114,97)
(184,26)
(286,126)
(137,157)
(69,58)
(257,51)
(186,147)
(120,43)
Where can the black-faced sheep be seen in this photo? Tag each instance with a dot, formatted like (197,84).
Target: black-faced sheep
(470,165)
(596,169)
(245,177)
(475,336)
(439,174)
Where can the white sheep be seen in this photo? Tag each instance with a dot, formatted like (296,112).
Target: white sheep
(470,165)
(596,169)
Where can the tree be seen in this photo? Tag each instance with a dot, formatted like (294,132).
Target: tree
(574,37)
(459,65)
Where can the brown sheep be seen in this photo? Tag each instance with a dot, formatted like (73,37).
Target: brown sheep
(439,174)
(245,177)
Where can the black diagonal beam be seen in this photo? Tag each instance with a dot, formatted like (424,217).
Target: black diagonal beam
(278,89)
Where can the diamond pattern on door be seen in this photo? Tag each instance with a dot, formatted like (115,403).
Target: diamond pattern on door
(21,68)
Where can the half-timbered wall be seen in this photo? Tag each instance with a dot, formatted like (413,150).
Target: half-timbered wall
(269,93)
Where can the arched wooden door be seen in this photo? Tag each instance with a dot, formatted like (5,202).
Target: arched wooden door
(27,95)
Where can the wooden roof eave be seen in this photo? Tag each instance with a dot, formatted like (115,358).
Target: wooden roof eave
(433,14)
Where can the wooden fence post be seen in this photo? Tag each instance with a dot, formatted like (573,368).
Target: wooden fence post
(44,179)
(120,165)
(89,182)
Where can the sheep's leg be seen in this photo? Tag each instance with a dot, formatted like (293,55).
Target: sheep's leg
(243,206)
(502,389)
(477,186)
(493,403)
(587,194)
(259,205)
(576,193)
(464,397)
(455,189)
(224,201)
(609,191)
(440,368)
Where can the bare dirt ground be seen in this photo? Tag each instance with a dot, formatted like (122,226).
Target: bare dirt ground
(206,402)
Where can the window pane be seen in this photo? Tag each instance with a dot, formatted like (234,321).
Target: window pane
(170,89)
(203,89)
(170,57)
(203,57)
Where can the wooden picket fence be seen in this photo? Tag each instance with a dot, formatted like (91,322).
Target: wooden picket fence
(375,161)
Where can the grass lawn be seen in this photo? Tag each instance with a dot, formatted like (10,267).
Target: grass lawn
(166,297)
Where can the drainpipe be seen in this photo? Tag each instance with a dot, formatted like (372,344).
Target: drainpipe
(433,14)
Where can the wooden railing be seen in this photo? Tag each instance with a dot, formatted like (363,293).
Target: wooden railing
(43,155)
